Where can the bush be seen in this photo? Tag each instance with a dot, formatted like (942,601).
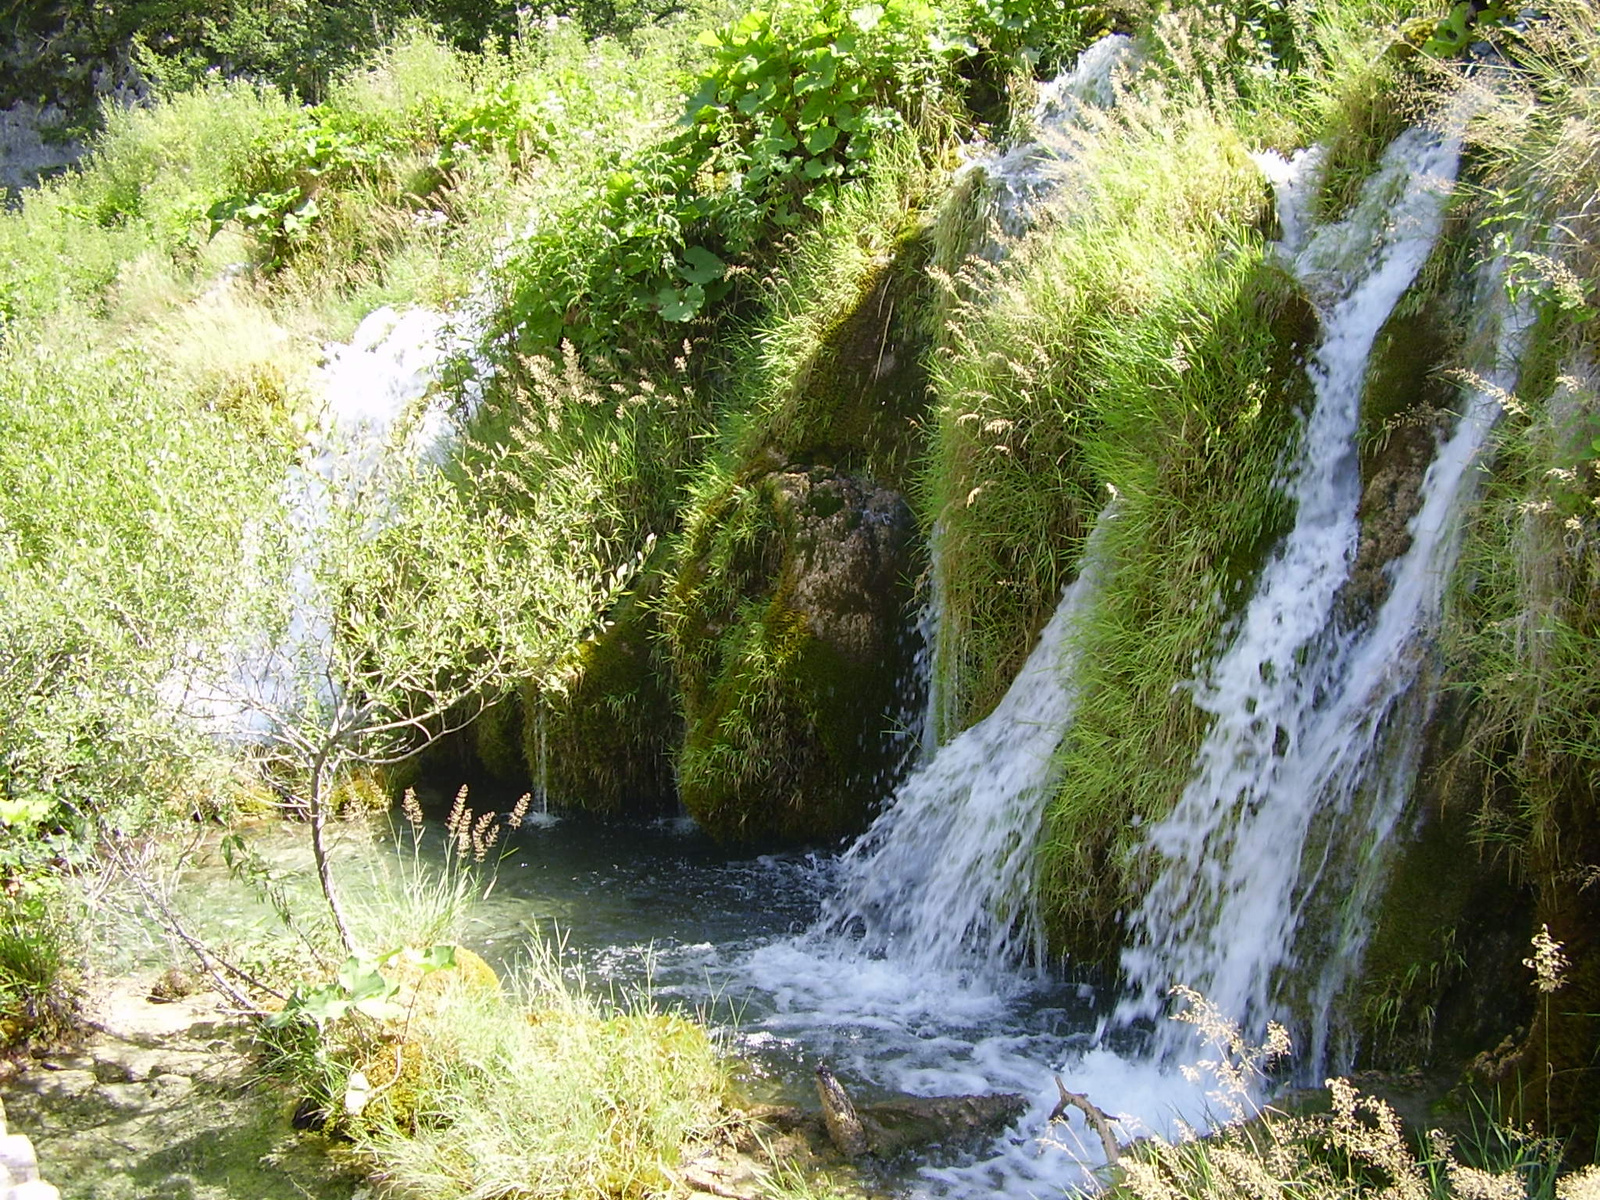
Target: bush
(38,993)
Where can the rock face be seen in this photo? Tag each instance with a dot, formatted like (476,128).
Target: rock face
(889,1128)
(19,1168)
(789,642)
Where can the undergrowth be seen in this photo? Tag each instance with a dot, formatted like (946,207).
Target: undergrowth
(444,1080)
(1340,1144)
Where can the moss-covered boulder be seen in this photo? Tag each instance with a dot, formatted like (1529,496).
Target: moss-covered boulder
(602,741)
(789,632)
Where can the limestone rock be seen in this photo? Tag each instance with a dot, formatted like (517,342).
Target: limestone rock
(790,643)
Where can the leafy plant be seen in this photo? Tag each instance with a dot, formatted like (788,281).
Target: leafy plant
(365,985)
(38,996)
(1468,23)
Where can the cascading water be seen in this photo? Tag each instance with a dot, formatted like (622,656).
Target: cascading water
(1305,773)
(1307,768)
(944,878)
(1023,179)
(1018,183)
(378,423)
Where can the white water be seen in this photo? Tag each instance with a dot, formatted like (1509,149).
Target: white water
(944,876)
(381,419)
(912,973)
(1023,179)
(1307,768)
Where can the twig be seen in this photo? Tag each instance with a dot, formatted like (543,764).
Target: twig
(1096,1118)
(208,959)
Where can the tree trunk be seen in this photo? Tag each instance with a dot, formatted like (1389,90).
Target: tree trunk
(319,851)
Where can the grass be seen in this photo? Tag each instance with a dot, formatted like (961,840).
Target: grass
(445,1081)
(553,1093)
(1143,344)
(1340,1144)
(38,989)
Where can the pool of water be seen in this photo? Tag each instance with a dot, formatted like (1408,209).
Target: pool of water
(739,941)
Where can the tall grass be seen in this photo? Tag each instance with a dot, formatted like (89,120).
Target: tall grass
(552,1092)
(1141,344)
(38,990)
(448,1082)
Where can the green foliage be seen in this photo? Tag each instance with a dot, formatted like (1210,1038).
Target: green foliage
(365,985)
(38,994)
(64,50)
(1466,24)
(121,504)
(793,98)
(789,107)
(1525,629)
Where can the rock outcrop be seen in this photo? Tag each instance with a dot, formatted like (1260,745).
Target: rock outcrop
(791,640)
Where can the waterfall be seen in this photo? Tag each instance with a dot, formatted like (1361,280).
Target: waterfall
(1018,185)
(381,419)
(944,877)
(1307,767)
(1023,179)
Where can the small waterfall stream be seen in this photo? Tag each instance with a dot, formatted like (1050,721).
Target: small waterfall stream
(378,422)
(943,878)
(1307,770)
(1295,723)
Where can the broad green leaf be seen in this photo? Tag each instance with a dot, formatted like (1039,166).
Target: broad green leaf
(438,958)
(703,267)
(821,139)
(866,17)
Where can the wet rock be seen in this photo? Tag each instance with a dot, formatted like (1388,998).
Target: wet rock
(61,1087)
(903,1123)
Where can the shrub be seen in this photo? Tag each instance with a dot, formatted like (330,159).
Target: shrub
(38,994)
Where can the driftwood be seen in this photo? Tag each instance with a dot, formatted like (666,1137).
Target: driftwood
(891,1127)
(1096,1118)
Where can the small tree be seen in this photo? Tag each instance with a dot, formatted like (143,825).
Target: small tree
(415,599)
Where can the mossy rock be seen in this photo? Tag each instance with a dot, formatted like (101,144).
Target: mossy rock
(604,741)
(394,1063)
(1443,955)
(363,790)
(854,402)
(789,642)
(497,741)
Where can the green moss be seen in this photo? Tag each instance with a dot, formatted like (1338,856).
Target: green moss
(787,641)
(853,402)
(496,738)
(1434,986)
(603,739)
